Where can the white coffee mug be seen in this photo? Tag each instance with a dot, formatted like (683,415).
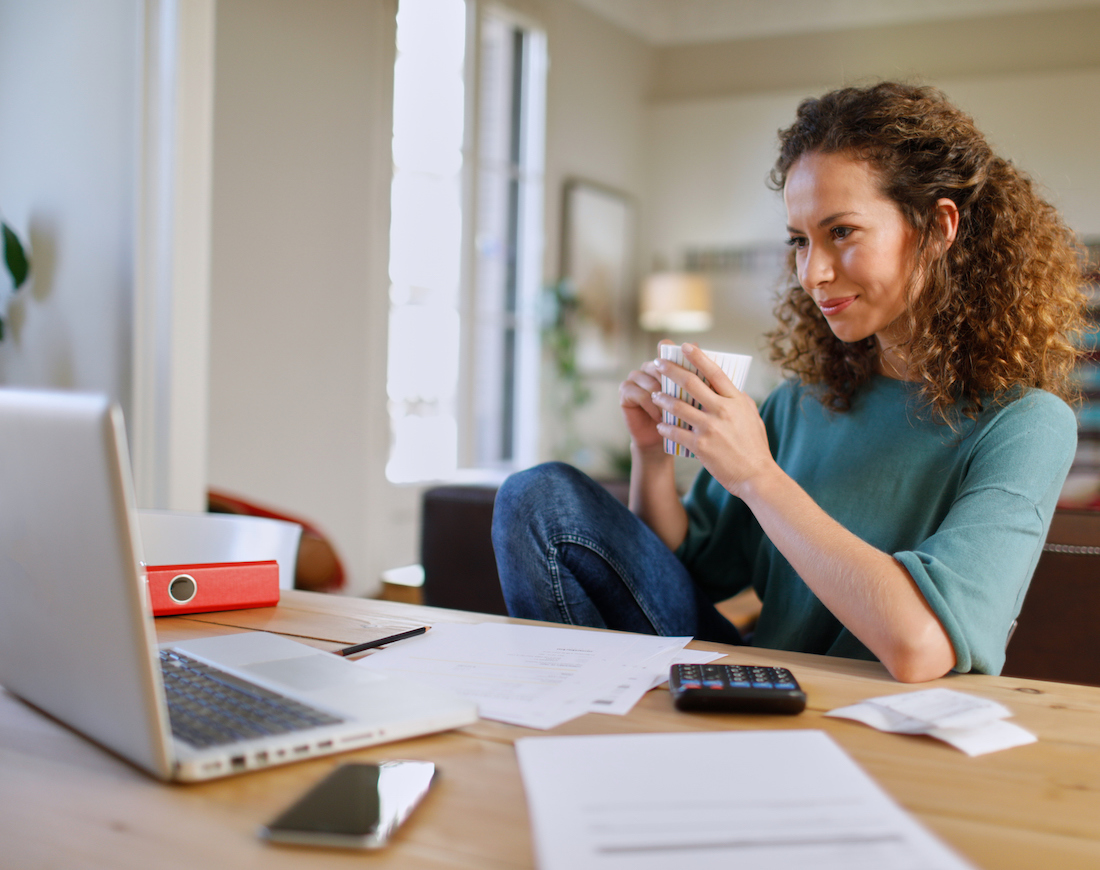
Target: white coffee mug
(735,365)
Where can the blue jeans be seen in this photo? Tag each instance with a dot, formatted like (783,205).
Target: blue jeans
(570,552)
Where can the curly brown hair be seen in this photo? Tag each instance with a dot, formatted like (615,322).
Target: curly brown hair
(999,309)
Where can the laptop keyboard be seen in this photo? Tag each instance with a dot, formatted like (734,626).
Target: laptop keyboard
(208,707)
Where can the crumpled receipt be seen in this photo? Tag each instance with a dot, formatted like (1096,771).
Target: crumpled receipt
(971,724)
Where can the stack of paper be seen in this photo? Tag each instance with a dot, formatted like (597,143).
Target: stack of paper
(974,725)
(536,676)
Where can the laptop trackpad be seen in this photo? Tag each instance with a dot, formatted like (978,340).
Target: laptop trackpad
(313,673)
(289,663)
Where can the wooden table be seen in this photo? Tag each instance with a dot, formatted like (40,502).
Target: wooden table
(67,803)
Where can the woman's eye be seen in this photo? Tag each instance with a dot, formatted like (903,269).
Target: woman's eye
(841,232)
(797,242)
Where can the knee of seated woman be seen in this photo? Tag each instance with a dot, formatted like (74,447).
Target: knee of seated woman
(550,497)
(533,486)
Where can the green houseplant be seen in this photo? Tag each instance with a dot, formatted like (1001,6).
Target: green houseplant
(561,319)
(16,261)
(560,315)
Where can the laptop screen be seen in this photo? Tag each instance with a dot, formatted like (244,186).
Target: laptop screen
(75,638)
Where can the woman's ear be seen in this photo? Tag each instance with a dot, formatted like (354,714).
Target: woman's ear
(947,218)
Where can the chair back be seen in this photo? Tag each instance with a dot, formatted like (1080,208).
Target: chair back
(1055,638)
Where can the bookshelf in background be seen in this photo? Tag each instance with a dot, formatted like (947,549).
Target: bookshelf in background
(1082,489)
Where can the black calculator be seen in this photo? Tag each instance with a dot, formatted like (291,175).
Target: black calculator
(735,689)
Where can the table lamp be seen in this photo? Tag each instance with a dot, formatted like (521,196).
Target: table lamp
(675,302)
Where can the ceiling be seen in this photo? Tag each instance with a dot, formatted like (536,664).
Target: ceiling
(681,22)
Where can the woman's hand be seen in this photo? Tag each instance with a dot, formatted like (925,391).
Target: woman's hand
(653,495)
(639,410)
(726,433)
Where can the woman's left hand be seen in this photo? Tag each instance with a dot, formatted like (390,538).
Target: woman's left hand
(726,433)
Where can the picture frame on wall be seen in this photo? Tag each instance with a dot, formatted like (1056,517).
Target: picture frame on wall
(597,259)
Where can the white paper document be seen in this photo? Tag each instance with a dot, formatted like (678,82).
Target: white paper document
(635,679)
(535,676)
(969,723)
(769,800)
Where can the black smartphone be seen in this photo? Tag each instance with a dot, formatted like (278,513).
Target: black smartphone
(357,806)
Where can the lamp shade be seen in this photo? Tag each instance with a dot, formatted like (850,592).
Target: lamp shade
(675,302)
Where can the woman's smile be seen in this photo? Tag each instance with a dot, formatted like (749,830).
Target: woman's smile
(832,307)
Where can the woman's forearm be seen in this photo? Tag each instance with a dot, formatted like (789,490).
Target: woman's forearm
(866,589)
(653,496)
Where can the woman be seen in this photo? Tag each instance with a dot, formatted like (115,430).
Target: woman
(891,499)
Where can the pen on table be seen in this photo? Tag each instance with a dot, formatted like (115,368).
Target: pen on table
(371,644)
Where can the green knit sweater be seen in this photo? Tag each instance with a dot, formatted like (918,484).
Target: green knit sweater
(965,512)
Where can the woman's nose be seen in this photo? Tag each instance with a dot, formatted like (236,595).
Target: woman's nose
(817,267)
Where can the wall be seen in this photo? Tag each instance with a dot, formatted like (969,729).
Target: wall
(299,291)
(709,161)
(964,47)
(596,130)
(1046,124)
(69,88)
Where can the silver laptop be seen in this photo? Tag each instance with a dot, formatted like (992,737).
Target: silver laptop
(77,638)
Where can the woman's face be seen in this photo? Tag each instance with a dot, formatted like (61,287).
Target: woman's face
(854,250)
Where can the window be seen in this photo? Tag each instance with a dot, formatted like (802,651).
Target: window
(425,239)
(508,243)
(465,241)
